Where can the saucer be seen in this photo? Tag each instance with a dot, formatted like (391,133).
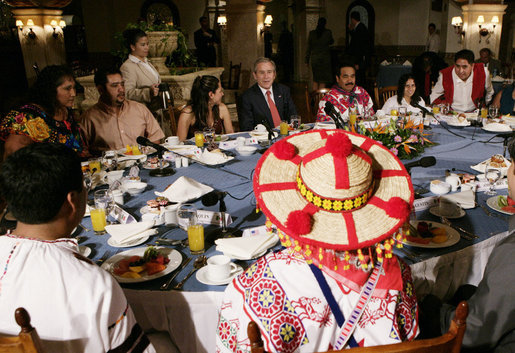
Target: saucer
(128,244)
(435,211)
(203,278)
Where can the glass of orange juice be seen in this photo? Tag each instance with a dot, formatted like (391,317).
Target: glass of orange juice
(436,109)
(94,166)
(98,220)
(196,238)
(284,128)
(199,138)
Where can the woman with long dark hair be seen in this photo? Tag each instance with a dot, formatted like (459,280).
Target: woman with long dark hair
(205,109)
(47,117)
(407,96)
(318,50)
(141,77)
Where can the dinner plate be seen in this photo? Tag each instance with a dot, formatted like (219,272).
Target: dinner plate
(497,127)
(145,150)
(202,277)
(174,256)
(134,242)
(84,250)
(480,167)
(457,123)
(492,203)
(147,165)
(452,236)
(435,210)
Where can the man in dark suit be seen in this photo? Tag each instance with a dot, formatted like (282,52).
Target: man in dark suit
(205,40)
(359,46)
(265,100)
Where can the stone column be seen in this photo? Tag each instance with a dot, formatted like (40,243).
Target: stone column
(471,27)
(244,40)
(45,48)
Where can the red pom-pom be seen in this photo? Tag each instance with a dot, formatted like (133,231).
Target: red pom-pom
(285,150)
(299,222)
(339,145)
(397,208)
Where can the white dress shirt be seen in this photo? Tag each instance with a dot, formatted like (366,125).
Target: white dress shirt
(433,43)
(392,103)
(462,100)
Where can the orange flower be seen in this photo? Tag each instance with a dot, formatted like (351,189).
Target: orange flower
(37,129)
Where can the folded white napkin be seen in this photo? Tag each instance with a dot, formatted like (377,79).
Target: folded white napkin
(246,247)
(385,62)
(406,63)
(184,189)
(213,158)
(466,199)
(123,233)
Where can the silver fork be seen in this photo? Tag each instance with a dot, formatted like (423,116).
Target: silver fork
(465,234)
(107,254)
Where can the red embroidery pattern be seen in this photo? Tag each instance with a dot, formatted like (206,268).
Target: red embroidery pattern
(314,310)
(405,326)
(7,265)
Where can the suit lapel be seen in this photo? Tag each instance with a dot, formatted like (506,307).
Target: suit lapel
(279,101)
(146,72)
(263,105)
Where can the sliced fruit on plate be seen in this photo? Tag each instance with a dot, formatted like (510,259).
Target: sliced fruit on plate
(418,240)
(508,209)
(154,267)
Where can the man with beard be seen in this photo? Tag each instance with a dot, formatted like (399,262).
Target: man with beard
(345,95)
(114,121)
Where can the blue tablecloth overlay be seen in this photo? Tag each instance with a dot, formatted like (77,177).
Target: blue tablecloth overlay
(451,152)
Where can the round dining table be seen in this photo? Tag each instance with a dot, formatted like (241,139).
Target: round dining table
(189,315)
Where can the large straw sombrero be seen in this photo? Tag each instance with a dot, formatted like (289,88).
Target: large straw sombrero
(333,190)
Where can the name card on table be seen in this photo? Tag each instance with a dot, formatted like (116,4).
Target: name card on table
(425,203)
(207,217)
(228,145)
(260,230)
(251,141)
(485,185)
(122,216)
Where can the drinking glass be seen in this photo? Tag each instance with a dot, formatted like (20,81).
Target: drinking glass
(98,220)
(403,111)
(492,174)
(353,115)
(436,109)
(209,135)
(295,122)
(185,213)
(195,236)
(199,139)
(109,160)
(104,199)
(484,113)
(94,166)
(493,112)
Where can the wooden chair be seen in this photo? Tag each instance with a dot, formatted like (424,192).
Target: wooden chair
(449,342)
(382,94)
(27,340)
(312,100)
(234,76)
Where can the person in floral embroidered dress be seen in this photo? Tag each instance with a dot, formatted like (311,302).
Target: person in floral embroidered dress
(338,200)
(345,94)
(47,118)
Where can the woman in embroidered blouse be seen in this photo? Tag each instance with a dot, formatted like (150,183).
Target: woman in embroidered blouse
(141,77)
(205,109)
(407,95)
(48,117)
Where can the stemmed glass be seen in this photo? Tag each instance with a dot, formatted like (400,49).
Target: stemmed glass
(493,112)
(209,135)
(492,174)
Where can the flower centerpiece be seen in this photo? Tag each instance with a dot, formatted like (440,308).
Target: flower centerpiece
(406,139)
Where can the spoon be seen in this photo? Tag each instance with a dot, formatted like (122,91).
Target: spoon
(200,262)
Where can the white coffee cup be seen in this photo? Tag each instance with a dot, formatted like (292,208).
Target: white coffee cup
(454,181)
(157,218)
(260,128)
(439,187)
(469,186)
(170,214)
(220,267)
(172,140)
(111,177)
(240,141)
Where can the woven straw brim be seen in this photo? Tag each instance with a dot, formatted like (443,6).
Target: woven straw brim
(345,230)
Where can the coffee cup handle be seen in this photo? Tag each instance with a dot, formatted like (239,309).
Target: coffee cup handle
(234,269)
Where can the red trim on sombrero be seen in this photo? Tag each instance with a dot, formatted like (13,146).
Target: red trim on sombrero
(351,229)
(386,173)
(358,152)
(310,208)
(367,144)
(341,173)
(313,155)
(323,134)
(276,186)
(296,160)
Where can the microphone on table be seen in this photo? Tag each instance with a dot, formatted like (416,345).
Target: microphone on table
(423,109)
(268,128)
(211,199)
(423,162)
(329,110)
(160,150)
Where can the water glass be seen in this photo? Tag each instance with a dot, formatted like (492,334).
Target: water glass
(493,112)
(185,214)
(295,122)
(104,199)
(403,111)
(492,174)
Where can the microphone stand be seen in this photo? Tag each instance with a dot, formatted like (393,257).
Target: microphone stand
(223,210)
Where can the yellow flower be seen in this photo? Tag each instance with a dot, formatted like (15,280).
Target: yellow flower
(38,129)
(317,201)
(309,196)
(303,190)
(62,139)
(357,202)
(348,204)
(327,204)
(337,205)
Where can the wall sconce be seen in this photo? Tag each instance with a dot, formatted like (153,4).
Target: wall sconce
(19,24)
(62,24)
(267,24)
(457,23)
(31,33)
(484,31)
(222,22)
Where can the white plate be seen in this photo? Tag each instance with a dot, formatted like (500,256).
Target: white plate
(146,150)
(492,203)
(203,278)
(435,210)
(452,236)
(480,167)
(497,127)
(174,256)
(262,136)
(147,165)
(84,250)
(457,123)
(129,244)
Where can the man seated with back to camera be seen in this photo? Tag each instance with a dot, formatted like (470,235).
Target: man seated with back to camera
(465,85)
(75,305)
(115,121)
(345,95)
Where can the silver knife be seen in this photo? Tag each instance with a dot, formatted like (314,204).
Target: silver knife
(165,286)
(447,222)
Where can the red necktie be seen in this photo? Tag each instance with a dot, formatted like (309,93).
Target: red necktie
(273,109)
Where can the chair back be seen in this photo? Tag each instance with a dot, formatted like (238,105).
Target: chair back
(449,342)
(382,94)
(234,76)
(312,101)
(27,340)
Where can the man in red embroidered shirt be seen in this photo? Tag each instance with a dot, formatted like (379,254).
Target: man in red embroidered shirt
(464,84)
